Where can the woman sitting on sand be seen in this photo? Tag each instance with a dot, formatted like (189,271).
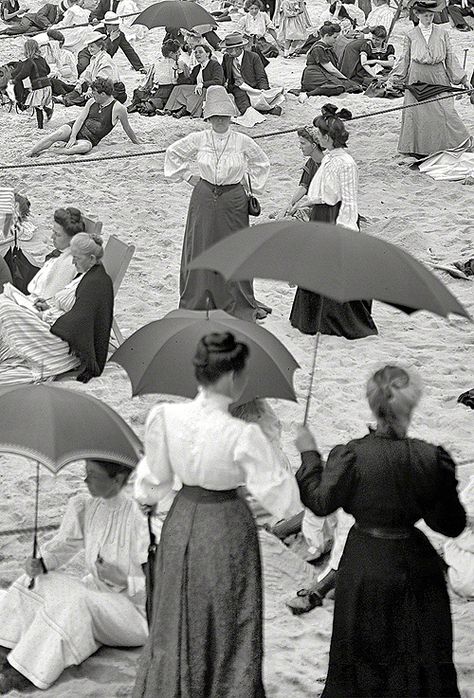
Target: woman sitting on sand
(42,339)
(188,99)
(257,28)
(367,58)
(219,205)
(310,148)
(333,194)
(392,630)
(321,76)
(429,57)
(95,122)
(102,65)
(63,619)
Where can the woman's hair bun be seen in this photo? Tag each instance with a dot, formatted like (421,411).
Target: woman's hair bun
(98,239)
(329,109)
(219,343)
(218,353)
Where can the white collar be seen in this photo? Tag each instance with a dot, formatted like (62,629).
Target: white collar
(209,397)
(204,65)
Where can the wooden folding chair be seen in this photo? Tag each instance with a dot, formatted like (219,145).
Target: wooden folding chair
(117,257)
(92,227)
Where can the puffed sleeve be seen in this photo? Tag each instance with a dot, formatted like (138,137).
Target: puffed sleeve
(324,490)
(69,540)
(399,71)
(265,476)
(258,164)
(447,515)
(180,155)
(348,183)
(453,67)
(154,476)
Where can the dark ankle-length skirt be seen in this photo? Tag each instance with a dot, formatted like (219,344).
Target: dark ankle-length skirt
(206,633)
(351,320)
(392,633)
(214,213)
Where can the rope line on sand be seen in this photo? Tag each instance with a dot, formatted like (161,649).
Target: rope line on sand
(162,151)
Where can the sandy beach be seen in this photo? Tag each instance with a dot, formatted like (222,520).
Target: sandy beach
(135,203)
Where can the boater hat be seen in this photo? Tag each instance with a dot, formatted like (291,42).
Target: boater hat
(95,36)
(427,5)
(234,40)
(218,102)
(111,18)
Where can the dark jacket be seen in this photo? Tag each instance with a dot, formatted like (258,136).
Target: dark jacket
(253,72)
(36,69)
(103,7)
(46,16)
(86,327)
(211,75)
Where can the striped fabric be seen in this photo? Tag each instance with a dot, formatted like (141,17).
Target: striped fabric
(7,209)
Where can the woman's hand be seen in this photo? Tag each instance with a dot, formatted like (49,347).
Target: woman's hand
(33,567)
(198,90)
(71,142)
(193,180)
(305,440)
(41,304)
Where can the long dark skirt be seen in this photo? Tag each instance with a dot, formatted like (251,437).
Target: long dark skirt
(351,320)
(213,214)
(392,634)
(206,635)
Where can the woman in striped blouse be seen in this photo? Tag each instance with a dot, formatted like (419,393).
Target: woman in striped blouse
(332,194)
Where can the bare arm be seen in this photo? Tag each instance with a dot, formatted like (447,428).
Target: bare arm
(79,122)
(366,64)
(333,70)
(123,118)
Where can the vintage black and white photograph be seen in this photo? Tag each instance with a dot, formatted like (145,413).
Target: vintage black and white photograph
(237,348)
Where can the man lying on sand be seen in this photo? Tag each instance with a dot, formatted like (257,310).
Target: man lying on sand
(96,120)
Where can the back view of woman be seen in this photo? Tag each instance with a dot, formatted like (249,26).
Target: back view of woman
(392,634)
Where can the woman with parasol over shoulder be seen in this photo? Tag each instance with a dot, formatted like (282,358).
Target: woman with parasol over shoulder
(428,57)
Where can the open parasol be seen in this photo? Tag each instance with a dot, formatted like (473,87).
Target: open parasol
(182,14)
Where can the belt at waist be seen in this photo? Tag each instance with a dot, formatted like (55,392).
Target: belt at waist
(200,494)
(386,532)
(220,188)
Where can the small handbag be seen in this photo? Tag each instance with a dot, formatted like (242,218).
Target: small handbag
(253,203)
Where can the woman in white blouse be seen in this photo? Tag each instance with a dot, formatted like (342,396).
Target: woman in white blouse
(225,160)
(65,619)
(258,28)
(206,635)
(332,194)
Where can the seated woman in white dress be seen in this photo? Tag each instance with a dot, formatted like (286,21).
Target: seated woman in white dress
(42,339)
(64,619)
(459,552)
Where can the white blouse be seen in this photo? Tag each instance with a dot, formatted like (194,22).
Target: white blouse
(62,301)
(165,72)
(221,159)
(200,444)
(111,532)
(337,179)
(255,26)
(53,276)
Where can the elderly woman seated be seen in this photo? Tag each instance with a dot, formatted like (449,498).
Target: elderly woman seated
(189,99)
(42,339)
(64,619)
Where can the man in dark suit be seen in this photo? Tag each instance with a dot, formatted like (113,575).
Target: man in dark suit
(98,14)
(45,17)
(242,68)
(116,40)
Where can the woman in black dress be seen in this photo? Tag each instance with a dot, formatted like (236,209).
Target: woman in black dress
(392,634)
(332,194)
(310,149)
(362,55)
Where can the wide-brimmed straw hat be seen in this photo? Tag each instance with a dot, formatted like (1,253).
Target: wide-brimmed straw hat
(234,40)
(93,37)
(218,102)
(427,5)
(111,18)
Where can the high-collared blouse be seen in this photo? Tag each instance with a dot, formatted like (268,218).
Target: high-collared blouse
(221,159)
(337,180)
(200,444)
(436,48)
(255,26)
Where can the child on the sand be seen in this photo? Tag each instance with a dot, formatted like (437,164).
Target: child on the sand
(36,70)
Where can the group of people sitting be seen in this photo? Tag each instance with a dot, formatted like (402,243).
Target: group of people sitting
(63,320)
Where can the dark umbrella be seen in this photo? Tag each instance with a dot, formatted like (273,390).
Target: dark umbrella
(182,14)
(332,261)
(63,426)
(423,90)
(158,357)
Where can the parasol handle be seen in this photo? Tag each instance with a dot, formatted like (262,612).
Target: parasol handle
(464,62)
(35,533)
(313,365)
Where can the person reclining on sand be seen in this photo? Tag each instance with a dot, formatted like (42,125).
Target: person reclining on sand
(64,620)
(45,17)
(96,120)
(70,331)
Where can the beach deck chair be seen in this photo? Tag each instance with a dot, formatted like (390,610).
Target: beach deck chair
(117,257)
(93,227)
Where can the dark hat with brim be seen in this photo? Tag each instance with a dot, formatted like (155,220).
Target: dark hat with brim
(234,40)
(427,5)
